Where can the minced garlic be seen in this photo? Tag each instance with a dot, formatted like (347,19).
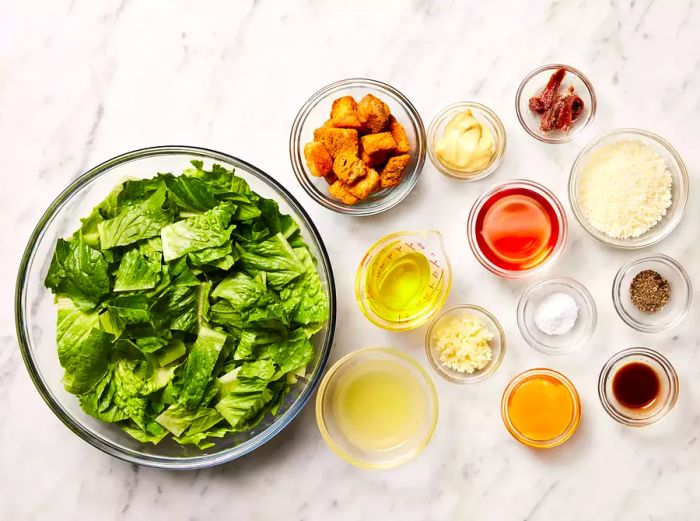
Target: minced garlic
(463,343)
(625,189)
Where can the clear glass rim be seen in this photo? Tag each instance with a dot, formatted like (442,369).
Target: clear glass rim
(578,130)
(419,320)
(617,293)
(657,234)
(535,187)
(466,378)
(669,373)
(104,445)
(530,338)
(397,194)
(570,429)
(321,421)
(500,137)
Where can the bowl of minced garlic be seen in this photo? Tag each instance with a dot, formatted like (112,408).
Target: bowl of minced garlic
(628,188)
(465,344)
(466,140)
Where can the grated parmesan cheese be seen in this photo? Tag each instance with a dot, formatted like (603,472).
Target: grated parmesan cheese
(624,189)
(463,343)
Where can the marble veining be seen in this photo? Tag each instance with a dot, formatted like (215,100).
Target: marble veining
(82,81)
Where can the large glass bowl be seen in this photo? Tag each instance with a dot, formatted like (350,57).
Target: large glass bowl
(35,311)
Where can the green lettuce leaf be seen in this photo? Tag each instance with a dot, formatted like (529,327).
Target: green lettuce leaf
(79,272)
(139,221)
(275,257)
(211,229)
(197,371)
(83,347)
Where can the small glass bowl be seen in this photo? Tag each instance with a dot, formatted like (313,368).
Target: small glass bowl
(678,304)
(533,84)
(557,344)
(652,413)
(498,345)
(485,116)
(536,373)
(679,190)
(332,433)
(317,110)
(541,191)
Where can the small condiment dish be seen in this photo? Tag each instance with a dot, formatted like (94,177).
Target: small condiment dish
(533,84)
(679,301)
(487,117)
(497,345)
(315,112)
(579,334)
(666,397)
(558,217)
(679,188)
(550,376)
(332,431)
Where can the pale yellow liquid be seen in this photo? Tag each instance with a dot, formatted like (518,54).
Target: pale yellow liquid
(379,405)
(399,285)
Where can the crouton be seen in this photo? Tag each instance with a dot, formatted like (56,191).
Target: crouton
(337,140)
(344,113)
(348,167)
(375,148)
(317,159)
(365,186)
(393,170)
(339,190)
(330,177)
(399,135)
(373,113)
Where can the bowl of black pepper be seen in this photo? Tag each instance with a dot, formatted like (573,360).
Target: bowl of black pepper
(652,293)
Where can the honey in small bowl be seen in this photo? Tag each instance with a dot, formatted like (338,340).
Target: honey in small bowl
(541,408)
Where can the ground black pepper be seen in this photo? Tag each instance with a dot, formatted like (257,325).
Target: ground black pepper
(649,291)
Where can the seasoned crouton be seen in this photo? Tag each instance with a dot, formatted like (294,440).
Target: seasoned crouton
(373,113)
(331,177)
(365,186)
(344,113)
(348,167)
(375,148)
(393,170)
(317,159)
(337,139)
(339,190)
(399,135)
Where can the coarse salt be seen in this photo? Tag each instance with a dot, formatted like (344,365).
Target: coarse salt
(556,314)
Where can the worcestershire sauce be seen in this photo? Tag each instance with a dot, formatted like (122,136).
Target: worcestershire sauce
(636,385)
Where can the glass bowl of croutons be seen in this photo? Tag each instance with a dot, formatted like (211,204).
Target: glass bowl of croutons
(358,146)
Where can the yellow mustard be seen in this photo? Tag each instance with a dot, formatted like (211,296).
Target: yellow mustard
(466,144)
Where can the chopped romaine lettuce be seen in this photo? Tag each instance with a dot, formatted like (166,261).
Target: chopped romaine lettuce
(185,307)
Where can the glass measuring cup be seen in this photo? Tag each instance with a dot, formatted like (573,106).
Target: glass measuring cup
(403,280)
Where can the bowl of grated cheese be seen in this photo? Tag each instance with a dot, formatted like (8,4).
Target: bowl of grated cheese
(628,188)
(465,344)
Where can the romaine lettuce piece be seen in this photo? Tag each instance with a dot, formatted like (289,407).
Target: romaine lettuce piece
(211,229)
(78,272)
(197,371)
(133,223)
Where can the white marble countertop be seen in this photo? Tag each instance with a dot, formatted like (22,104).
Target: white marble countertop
(82,81)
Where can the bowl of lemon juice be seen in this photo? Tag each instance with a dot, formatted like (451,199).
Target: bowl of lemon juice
(377,408)
(404,280)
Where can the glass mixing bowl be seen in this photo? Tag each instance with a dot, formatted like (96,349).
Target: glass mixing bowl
(35,311)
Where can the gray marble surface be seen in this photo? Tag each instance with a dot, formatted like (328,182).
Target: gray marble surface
(82,81)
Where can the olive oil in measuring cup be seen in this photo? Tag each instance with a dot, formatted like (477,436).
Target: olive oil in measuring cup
(403,280)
